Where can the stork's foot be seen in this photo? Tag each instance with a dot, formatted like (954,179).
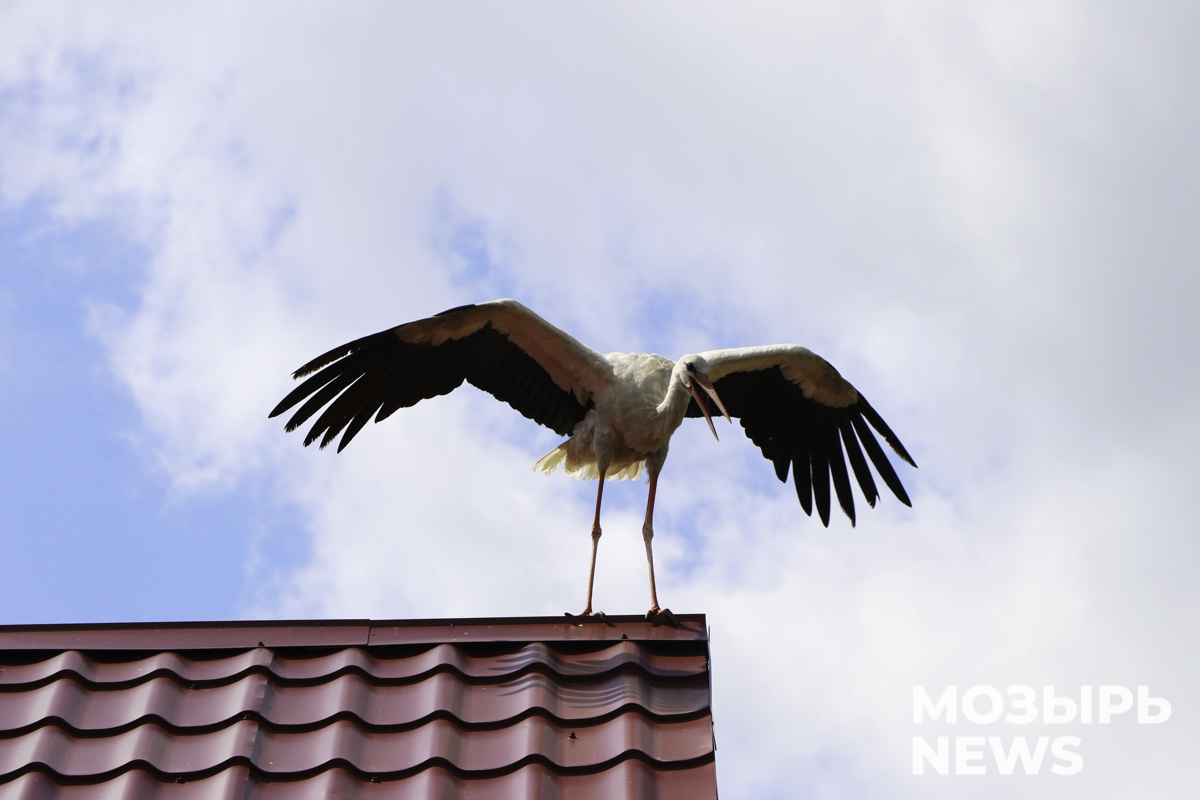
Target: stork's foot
(587,612)
(657,614)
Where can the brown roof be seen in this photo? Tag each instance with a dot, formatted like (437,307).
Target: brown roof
(484,708)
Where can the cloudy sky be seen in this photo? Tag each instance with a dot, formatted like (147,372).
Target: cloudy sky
(986,215)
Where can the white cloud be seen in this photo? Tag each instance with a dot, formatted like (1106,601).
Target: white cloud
(979,213)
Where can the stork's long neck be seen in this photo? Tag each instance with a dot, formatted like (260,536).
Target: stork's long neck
(674,405)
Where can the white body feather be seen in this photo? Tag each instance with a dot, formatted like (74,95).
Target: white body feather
(636,414)
(632,422)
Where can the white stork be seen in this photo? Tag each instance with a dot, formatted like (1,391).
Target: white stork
(619,410)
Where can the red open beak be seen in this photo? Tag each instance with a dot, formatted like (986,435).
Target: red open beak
(707,386)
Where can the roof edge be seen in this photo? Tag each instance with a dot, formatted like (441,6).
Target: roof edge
(343,632)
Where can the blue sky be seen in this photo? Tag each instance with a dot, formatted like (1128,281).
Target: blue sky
(982,214)
(98,531)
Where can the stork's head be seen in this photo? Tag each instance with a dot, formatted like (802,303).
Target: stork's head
(692,372)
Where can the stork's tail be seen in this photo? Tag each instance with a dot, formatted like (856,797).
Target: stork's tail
(587,471)
(552,460)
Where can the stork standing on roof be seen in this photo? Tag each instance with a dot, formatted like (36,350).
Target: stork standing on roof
(619,410)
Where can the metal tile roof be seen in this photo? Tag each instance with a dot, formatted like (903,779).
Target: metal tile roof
(489,708)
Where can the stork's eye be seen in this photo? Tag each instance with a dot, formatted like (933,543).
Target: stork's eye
(691,367)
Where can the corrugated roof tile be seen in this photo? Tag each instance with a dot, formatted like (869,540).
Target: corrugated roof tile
(629,780)
(584,710)
(444,657)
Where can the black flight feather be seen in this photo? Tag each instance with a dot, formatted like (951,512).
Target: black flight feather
(880,460)
(803,480)
(814,440)
(820,470)
(878,424)
(857,462)
(837,468)
(380,373)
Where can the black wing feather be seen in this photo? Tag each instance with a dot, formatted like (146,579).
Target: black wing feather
(511,375)
(333,355)
(837,468)
(820,468)
(378,374)
(814,439)
(803,480)
(781,469)
(880,460)
(311,385)
(327,392)
(861,471)
(878,424)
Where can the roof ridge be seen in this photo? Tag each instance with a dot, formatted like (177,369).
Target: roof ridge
(342,633)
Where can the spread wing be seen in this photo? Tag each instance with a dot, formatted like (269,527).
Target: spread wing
(501,347)
(801,413)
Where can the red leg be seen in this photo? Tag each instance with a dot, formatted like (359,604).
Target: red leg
(595,541)
(647,535)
